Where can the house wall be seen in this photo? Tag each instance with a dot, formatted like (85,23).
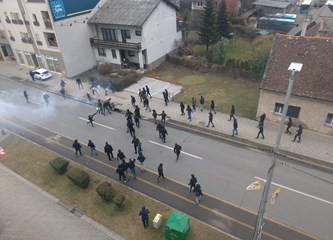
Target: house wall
(159,33)
(312,115)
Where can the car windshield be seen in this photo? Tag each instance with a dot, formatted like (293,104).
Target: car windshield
(45,72)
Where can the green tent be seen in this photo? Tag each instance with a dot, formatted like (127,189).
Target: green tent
(177,227)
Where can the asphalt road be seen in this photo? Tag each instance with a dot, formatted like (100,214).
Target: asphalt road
(222,169)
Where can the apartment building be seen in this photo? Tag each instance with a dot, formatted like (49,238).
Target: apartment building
(50,34)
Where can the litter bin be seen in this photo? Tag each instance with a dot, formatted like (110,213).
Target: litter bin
(157,221)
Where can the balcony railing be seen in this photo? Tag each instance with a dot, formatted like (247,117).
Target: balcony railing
(116,45)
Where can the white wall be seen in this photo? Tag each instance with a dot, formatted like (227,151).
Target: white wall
(159,34)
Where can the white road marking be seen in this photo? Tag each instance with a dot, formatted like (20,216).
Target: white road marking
(296,191)
(85,119)
(188,154)
(32,101)
(5,92)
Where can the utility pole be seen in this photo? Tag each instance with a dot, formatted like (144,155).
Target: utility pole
(294,67)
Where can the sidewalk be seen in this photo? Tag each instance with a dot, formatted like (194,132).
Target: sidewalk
(29,213)
(313,144)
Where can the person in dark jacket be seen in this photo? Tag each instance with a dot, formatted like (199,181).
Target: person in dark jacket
(26,95)
(212,106)
(91,119)
(121,172)
(108,149)
(141,159)
(32,75)
(137,116)
(232,112)
(77,146)
(198,193)
(130,126)
(261,130)
(46,99)
(120,157)
(290,123)
(131,166)
(146,103)
(92,147)
(262,118)
(79,83)
(194,104)
(298,134)
(182,108)
(235,129)
(88,96)
(133,101)
(154,114)
(177,150)
(163,133)
(192,182)
(166,98)
(160,172)
(135,142)
(148,92)
(163,116)
(210,120)
(202,102)
(189,112)
(144,216)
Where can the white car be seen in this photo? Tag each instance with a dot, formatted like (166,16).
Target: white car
(42,74)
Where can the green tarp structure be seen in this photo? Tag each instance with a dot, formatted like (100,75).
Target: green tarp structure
(177,227)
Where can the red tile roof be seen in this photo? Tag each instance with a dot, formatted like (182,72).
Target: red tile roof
(316,78)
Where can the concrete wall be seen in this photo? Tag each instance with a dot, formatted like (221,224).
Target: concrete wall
(312,115)
(159,34)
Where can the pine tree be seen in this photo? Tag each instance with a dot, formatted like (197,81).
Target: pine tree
(207,29)
(222,22)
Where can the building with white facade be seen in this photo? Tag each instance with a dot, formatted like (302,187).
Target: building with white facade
(135,32)
(47,33)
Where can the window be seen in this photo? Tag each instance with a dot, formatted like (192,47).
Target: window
(101,51)
(329,119)
(2,34)
(126,34)
(29,59)
(138,32)
(292,110)
(109,34)
(52,63)
(131,53)
(15,16)
(19,54)
(114,54)
(34,17)
(200,4)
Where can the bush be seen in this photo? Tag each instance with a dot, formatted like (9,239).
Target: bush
(79,177)
(59,165)
(119,200)
(105,191)
(105,69)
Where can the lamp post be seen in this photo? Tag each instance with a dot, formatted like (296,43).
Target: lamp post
(294,67)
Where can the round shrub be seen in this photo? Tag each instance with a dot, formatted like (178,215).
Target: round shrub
(59,165)
(105,191)
(119,200)
(79,177)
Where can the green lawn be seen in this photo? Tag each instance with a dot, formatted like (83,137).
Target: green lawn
(225,90)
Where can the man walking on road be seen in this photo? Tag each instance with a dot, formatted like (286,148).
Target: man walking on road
(189,112)
(212,106)
(232,112)
(290,123)
(148,92)
(202,102)
(235,129)
(46,99)
(135,142)
(198,193)
(177,150)
(192,183)
(77,146)
(210,119)
(79,83)
(131,166)
(26,95)
(160,172)
(163,116)
(108,149)
(92,147)
(299,132)
(32,75)
(141,159)
(182,108)
(261,130)
(120,157)
(91,119)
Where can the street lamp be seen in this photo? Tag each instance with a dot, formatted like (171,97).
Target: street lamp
(294,67)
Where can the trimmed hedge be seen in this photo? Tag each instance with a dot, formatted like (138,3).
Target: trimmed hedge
(79,177)
(106,192)
(59,165)
(119,200)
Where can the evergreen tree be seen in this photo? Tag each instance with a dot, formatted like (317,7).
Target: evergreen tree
(207,28)
(222,22)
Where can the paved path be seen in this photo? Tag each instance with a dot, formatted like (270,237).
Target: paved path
(29,213)
(314,145)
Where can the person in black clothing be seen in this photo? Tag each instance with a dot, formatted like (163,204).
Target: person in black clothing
(235,129)
(261,130)
(137,116)
(108,149)
(232,112)
(298,134)
(120,157)
(163,116)
(131,166)
(144,216)
(91,119)
(100,107)
(160,172)
(202,102)
(129,118)
(130,126)
(106,106)
(121,172)
(212,106)
(210,119)
(62,84)
(182,108)
(77,146)
(133,101)
(177,150)
(88,96)
(136,142)
(159,129)
(79,83)
(32,75)
(141,159)
(26,95)
(46,99)
(143,92)
(290,123)
(262,118)
(189,112)
(154,116)
(92,147)
(148,92)
(163,133)
(192,182)
(146,103)
(194,104)
(166,98)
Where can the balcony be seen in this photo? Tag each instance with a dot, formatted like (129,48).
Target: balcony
(53,43)
(115,45)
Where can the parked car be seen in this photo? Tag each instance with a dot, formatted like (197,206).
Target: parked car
(42,74)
